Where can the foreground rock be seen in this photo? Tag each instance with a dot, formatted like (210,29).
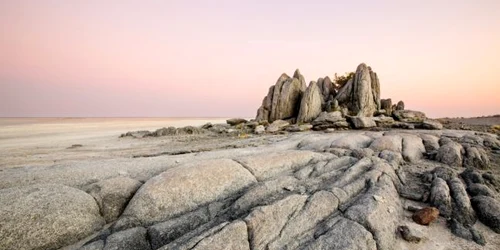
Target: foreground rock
(46,216)
(426,215)
(184,188)
(309,190)
(112,195)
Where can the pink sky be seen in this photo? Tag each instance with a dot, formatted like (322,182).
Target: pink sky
(218,58)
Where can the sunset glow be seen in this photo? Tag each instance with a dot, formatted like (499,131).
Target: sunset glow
(218,58)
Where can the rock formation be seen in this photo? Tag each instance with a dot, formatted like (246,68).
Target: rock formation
(310,105)
(283,99)
(343,190)
(361,95)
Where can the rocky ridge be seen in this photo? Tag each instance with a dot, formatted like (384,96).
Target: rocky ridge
(342,190)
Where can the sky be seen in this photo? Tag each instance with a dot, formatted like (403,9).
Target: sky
(167,58)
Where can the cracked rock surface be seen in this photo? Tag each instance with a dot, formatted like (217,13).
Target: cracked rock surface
(310,190)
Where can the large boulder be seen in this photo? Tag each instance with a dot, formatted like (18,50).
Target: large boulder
(432,124)
(276,126)
(475,157)
(389,142)
(386,104)
(408,116)
(326,88)
(185,188)
(112,195)
(283,99)
(46,216)
(361,95)
(400,106)
(440,196)
(462,208)
(413,148)
(488,211)
(362,122)
(451,154)
(235,121)
(310,106)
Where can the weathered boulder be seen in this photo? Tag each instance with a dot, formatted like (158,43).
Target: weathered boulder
(383,121)
(432,124)
(400,106)
(409,116)
(471,176)
(440,196)
(362,122)
(425,215)
(389,142)
(266,165)
(461,206)
(276,126)
(112,195)
(283,99)
(361,95)
(130,239)
(46,216)
(184,188)
(310,106)
(475,189)
(326,88)
(352,142)
(299,128)
(413,148)
(431,142)
(343,234)
(329,117)
(235,121)
(259,130)
(451,154)
(386,104)
(488,211)
(327,120)
(476,157)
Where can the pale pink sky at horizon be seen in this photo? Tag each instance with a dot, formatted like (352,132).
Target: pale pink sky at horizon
(218,58)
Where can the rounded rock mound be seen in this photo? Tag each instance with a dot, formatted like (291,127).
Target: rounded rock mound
(46,216)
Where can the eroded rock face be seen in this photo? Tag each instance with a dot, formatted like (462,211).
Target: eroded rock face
(47,216)
(408,116)
(386,104)
(488,211)
(341,190)
(310,106)
(326,88)
(283,99)
(361,95)
(161,198)
(112,195)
